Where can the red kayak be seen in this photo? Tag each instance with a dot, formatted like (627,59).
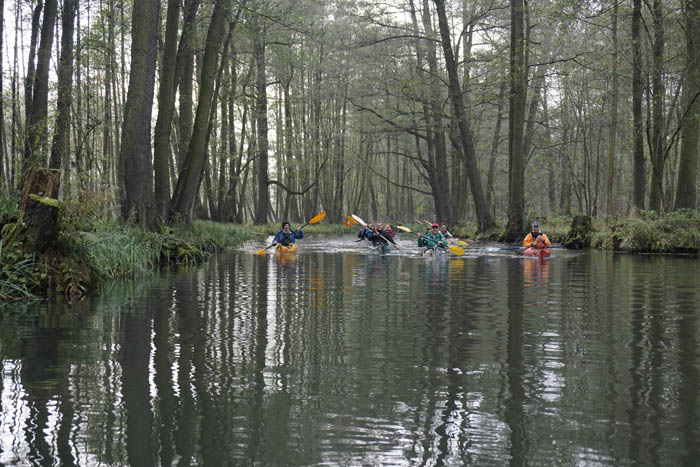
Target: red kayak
(538,252)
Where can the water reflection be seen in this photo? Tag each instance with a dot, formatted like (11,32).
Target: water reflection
(347,358)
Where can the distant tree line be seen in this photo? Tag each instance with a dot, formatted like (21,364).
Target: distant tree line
(252,110)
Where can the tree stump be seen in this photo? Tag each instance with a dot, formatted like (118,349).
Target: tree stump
(39,203)
(580,234)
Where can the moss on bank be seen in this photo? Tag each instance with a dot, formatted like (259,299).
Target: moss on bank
(676,232)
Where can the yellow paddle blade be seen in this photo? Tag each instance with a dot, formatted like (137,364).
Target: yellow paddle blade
(351,220)
(317,217)
(261,251)
(462,242)
(459,251)
(404,229)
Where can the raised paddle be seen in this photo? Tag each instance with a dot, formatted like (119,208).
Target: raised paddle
(457,250)
(317,218)
(363,224)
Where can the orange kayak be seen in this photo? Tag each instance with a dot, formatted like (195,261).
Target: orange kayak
(285,250)
(539,252)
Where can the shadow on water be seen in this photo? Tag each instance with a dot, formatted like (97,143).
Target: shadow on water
(346,357)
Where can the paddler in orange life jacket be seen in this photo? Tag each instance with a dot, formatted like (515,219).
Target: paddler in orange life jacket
(536,237)
(286,236)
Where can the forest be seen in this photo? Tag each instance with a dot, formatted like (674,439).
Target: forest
(251,111)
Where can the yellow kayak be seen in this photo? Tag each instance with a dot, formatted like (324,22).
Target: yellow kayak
(285,250)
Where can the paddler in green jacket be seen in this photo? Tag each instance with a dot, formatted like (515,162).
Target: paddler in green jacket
(432,239)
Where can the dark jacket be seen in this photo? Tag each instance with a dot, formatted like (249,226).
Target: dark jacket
(377,235)
(364,234)
(286,238)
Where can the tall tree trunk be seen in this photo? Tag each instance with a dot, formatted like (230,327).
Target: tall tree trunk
(262,206)
(639,176)
(36,147)
(65,85)
(612,133)
(166,99)
(437,148)
(186,120)
(136,171)
(490,192)
(3,142)
(174,58)
(516,120)
(688,166)
(188,182)
(31,60)
(483,216)
(658,149)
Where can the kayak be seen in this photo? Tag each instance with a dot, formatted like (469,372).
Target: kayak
(537,252)
(381,248)
(285,250)
(434,253)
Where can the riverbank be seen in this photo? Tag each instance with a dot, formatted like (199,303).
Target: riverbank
(92,250)
(87,254)
(675,233)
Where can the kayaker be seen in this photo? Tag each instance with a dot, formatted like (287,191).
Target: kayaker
(446,233)
(366,232)
(287,236)
(536,234)
(432,239)
(380,236)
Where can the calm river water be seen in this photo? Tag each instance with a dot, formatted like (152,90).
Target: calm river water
(339,355)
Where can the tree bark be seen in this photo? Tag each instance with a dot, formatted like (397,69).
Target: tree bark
(483,216)
(31,61)
(191,173)
(639,176)
(3,145)
(136,171)
(490,192)
(688,166)
(65,85)
(612,133)
(658,149)
(174,58)
(36,148)
(262,206)
(516,120)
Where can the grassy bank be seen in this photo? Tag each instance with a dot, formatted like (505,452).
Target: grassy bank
(91,249)
(676,232)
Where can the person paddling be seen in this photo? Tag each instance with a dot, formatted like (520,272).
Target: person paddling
(432,239)
(287,236)
(446,233)
(536,237)
(366,232)
(380,236)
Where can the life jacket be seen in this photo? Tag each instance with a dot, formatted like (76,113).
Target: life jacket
(286,238)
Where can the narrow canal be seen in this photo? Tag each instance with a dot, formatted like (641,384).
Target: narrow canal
(339,355)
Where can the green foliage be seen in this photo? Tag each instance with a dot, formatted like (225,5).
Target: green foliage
(19,278)
(677,232)
(223,234)
(9,207)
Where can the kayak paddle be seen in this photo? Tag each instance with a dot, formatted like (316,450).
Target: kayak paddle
(317,218)
(363,224)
